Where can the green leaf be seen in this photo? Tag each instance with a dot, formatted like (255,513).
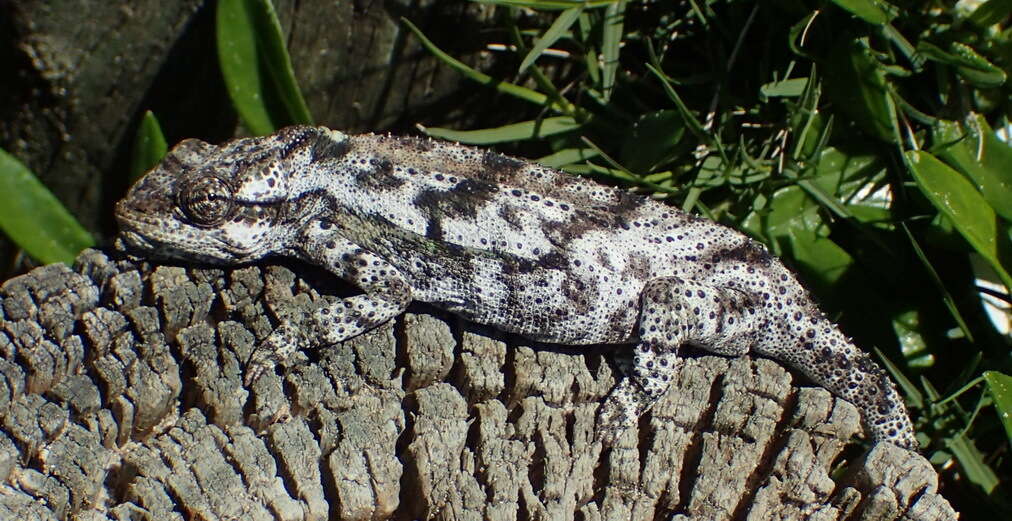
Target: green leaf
(34,219)
(653,141)
(791,88)
(907,326)
(514,132)
(975,151)
(149,146)
(858,84)
(256,67)
(973,67)
(954,196)
(556,31)
(972,462)
(567,156)
(794,221)
(871,11)
(690,120)
(991,12)
(1000,386)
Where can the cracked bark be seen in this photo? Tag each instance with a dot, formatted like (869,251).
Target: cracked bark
(121,397)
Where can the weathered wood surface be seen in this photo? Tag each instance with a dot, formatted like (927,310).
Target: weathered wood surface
(121,397)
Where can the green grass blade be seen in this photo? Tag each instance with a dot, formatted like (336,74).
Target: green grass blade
(990,12)
(517,91)
(910,391)
(549,5)
(256,67)
(34,219)
(149,146)
(562,24)
(972,462)
(950,303)
(567,156)
(610,45)
(514,132)
(691,122)
(871,11)
(1000,386)
(956,197)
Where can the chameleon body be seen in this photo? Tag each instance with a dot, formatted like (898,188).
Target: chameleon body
(498,241)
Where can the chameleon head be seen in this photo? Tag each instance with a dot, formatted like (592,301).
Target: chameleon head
(222,204)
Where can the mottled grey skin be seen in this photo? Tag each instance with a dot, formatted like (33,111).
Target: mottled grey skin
(498,241)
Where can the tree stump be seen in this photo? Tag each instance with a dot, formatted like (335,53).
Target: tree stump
(122,397)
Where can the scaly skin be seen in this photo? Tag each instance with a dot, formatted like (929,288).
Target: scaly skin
(498,241)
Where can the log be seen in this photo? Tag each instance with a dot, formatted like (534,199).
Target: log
(122,397)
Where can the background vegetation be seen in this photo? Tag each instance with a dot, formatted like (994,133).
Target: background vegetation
(862,141)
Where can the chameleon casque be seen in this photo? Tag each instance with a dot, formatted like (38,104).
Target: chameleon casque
(498,241)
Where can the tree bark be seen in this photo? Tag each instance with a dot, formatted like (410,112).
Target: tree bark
(122,396)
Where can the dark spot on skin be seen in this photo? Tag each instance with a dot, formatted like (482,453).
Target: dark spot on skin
(553,261)
(325,147)
(499,165)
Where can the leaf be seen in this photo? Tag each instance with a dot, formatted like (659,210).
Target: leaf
(973,67)
(954,196)
(908,328)
(149,146)
(567,156)
(256,67)
(972,462)
(558,28)
(654,140)
(794,221)
(871,11)
(690,120)
(791,88)
(991,12)
(959,145)
(859,86)
(514,132)
(34,219)
(1000,386)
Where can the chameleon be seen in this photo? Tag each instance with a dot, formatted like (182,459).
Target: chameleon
(500,241)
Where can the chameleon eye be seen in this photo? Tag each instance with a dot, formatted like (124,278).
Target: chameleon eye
(206,200)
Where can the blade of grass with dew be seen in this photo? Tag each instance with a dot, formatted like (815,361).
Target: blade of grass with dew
(1000,386)
(149,146)
(976,152)
(35,219)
